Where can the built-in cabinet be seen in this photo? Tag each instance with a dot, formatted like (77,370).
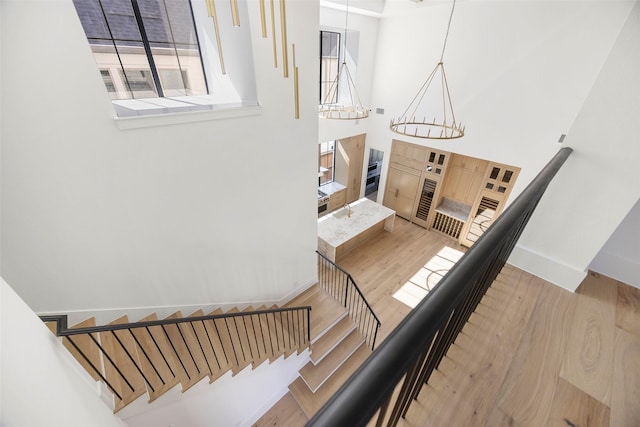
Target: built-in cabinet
(337,200)
(464,178)
(456,195)
(348,166)
(400,191)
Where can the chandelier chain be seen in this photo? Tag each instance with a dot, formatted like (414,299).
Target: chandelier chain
(346,26)
(446,36)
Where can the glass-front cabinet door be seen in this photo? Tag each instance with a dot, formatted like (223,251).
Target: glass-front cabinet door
(499,181)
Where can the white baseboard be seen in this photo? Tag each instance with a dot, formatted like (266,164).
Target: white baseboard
(554,271)
(624,270)
(104,316)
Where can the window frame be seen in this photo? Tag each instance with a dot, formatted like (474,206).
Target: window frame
(119,45)
(331,149)
(323,94)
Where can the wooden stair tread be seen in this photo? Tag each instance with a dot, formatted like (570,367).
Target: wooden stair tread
(325,310)
(303,299)
(187,351)
(230,336)
(311,402)
(126,379)
(329,340)
(156,358)
(153,359)
(276,342)
(287,333)
(315,375)
(286,412)
(211,346)
(256,336)
(245,327)
(85,344)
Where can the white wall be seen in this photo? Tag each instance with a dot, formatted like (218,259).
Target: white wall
(519,74)
(367,28)
(96,217)
(619,258)
(39,382)
(600,182)
(238,400)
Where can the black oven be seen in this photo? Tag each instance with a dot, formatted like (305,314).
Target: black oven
(323,202)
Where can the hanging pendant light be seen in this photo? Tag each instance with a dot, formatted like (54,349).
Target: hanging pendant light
(347,105)
(430,113)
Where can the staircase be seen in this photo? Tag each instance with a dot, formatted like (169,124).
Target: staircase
(337,349)
(151,356)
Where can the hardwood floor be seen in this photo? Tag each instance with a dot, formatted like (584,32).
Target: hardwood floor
(532,354)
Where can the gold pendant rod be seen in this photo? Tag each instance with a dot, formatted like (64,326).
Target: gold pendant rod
(283,29)
(211,9)
(296,94)
(263,20)
(234,13)
(273,34)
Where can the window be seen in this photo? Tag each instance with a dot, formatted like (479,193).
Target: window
(108,81)
(327,156)
(139,82)
(144,48)
(329,62)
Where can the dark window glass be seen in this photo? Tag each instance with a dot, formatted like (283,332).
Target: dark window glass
(327,159)
(108,81)
(140,82)
(507,176)
(329,63)
(494,173)
(142,37)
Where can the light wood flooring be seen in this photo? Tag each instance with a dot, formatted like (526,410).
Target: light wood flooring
(532,354)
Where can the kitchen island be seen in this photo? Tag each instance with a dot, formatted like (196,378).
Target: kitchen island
(342,230)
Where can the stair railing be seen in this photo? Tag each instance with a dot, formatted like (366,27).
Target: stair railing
(340,285)
(416,346)
(288,330)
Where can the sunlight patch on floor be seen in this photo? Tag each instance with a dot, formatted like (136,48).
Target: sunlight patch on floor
(419,285)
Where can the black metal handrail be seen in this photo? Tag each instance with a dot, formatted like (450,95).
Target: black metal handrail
(417,345)
(219,343)
(63,330)
(340,285)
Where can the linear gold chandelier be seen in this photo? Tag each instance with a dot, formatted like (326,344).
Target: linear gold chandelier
(430,113)
(347,105)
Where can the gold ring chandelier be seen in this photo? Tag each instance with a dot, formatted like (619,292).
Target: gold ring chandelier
(416,121)
(348,105)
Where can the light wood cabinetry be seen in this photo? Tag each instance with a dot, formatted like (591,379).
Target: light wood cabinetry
(413,181)
(495,188)
(464,178)
(400,191)
(337,200)
(356,156)
(409,155)
(457,195)
(349,161)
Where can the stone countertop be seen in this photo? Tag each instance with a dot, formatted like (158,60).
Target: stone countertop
(455,209)
(331,187)
(337,227)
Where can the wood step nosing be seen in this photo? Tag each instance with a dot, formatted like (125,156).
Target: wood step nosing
(299,402)
(336,344)
(347,356)
(328,328)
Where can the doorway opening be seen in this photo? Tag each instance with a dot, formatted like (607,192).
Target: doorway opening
(374,168)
